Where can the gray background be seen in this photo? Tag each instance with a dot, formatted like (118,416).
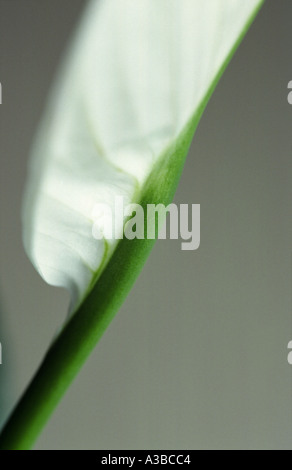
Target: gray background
(197,356)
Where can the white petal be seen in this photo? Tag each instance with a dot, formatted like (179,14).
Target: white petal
(136,73)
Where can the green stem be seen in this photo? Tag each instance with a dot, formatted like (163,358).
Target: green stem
(81,334)
(66,357)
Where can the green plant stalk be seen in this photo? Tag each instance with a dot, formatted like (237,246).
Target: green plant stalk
(80,335)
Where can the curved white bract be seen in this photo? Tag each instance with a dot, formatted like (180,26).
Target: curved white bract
(136,73)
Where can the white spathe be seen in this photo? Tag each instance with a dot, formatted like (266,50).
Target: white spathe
(136,73)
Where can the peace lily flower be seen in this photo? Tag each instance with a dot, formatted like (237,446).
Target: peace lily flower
(119,122)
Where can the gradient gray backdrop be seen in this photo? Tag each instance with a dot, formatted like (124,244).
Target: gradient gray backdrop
(197,356)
